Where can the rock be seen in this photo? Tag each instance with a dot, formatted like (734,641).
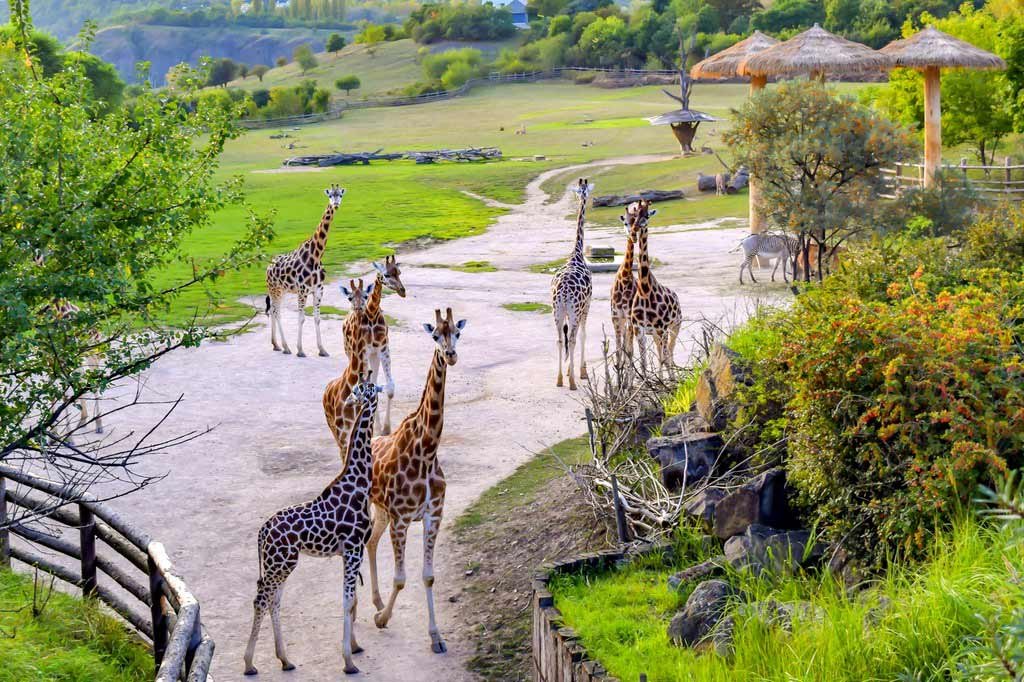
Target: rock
(684,423)
(645,424)
(701,570)
(702,612)
(720,637)
(686,458)
(761,500)
(704,504)
(735,512)
(762,548)
(842,566)
(654,195)
(607,252)
(717,384)
(739,181)
(782,614)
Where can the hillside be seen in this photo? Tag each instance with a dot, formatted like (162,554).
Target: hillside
(166,46)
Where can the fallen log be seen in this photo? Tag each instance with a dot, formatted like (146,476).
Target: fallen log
(739,181)
(706,183)
(654,195)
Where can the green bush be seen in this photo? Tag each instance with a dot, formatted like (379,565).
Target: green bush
(348,83)
(996,240)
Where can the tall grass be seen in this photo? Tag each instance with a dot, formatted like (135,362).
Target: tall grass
(917,622)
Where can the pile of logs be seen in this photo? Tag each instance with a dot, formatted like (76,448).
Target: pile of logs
(339,159)
(654,195)
(733,184)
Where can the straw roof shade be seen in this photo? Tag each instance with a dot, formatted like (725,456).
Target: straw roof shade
(932,47)
(815,51)
(681,116)
(726,64)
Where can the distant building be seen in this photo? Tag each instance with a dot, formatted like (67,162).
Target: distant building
(282,4)
(518,11)
(244,8)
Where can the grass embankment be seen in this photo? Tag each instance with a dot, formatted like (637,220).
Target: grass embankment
(528,307)
(69,640)
(918,622)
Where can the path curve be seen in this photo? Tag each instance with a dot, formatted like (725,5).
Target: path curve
(271,446)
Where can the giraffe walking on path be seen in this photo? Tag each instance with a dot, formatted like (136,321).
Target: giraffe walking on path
(571,290)
(623,290)
(375,329)
(339,411)
(337,523)
(655,311)
(301,273)
(408,483)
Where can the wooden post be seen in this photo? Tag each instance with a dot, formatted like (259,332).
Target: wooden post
(156,597)
(620,513)
(87,535)
(963,168)
(193,643)
(1008,175)
(932,124)
(5,535)
(757,83)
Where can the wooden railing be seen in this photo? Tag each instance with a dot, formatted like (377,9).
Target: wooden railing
(181,649)
(994,183)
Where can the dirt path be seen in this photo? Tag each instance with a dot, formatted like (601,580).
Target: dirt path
(271,447)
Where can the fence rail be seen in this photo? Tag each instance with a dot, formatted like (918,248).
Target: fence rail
(181,648)
(995,183)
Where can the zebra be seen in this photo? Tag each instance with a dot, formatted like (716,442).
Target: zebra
(767,245)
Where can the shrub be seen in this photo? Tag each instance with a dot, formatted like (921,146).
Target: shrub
(335,42)
(347,83)
(305,58)
(432,22)
(996,240)
(281,61)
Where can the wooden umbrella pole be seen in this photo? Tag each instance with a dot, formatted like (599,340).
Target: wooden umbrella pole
(757,83)
(932,124)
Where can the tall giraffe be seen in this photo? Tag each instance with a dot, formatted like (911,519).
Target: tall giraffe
(375,326)
(408,483)
(571,289)
(340,413)
(623,290)
(337,523)
(655,310)
(301,273)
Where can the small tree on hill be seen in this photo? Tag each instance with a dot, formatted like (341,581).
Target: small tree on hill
(372,35)
(305,58)
(222,71)
(259,70)
(816,157)
(347,83)
(335,42)
(243,71)
(281,61)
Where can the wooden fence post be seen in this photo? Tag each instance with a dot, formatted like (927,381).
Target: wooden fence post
(620,513)
(156,596)
(87,536)
(194,641)
(5,535)
(1008,175)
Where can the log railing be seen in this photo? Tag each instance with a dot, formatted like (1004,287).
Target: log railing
(995,183)
(181,648)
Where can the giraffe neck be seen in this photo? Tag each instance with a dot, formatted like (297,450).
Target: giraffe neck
(373,305)
(626,269)
(359,454)
(430,412)
(577,253)
(318,242)
(646,278)
(357,342)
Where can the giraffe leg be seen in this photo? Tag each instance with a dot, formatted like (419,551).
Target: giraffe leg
(302,319)
(356,649)
(259,606)
(430,528)
(583,348)
(276,312)
(268,597)
(389,387)
(641,342)
(380,524)
(318,295)
(353,560)
(570,350)
(560,342)
(274,302)
(399,527)
(672,335)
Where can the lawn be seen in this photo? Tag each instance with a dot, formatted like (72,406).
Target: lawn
(69,640)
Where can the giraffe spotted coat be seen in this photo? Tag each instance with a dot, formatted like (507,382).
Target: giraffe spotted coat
(655,311)
(339,411)
(571,291)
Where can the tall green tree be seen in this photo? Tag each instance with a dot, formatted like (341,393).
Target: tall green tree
(335,42)
(305,58)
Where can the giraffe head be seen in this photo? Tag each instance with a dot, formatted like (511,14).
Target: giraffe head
(640,210)
(582,189)
(357,296)
(334,195)
(364,392)
(391,274)
(445,332)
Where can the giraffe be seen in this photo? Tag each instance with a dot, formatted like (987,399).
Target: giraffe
(571,289)
(408,483)
(300,272)
(336,523)
(623,289)
(340,413)
(376,327)
(655,310)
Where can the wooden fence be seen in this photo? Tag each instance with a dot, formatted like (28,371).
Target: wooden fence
(181,649)
(993,183)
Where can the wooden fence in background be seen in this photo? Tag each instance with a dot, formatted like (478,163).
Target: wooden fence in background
(992,183)
(181,649)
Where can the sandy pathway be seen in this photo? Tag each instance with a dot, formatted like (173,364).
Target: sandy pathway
(271,447)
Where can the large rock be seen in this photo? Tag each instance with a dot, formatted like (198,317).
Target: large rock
(762,549)
(684,423)
(717,384)
(646,423)
(761,500)
(702,612)
(704,504)
(685,458)
(695,572)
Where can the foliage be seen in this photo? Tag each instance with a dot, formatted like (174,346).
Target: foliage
(451,69)
(347,83)
(431,22)
(788,14)
(305,58)
(107,86)
(304,98)
(259,70)
(335,42)
(222,71)
(996,239)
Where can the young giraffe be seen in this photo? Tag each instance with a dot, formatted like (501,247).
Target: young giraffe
(571,290)
(375,326)
(623,289)
(300,272)
(341,413)
(337,523)
(655,310)
(408,483)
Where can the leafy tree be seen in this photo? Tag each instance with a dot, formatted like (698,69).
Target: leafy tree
(222,71)
(604,42)
(281,61)
(347,83)
(259,70)
(93,211)
(335,42)
(260,97)
(372,35)
(560,24)
(546,8)
(321,100)
(841,15)
(305,58)
(107,86)
(730,10)
(816,157)
(44,48)
(243,71)
(785,14)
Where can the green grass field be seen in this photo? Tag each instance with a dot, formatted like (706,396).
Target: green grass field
(69,641)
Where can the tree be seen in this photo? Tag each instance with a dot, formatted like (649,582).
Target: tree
(604,42)
(243,71)
(93,213)
(335,42)
(305,58)
(841,15)
(259,70)
(107,86)
(785,14)
(816,157)
(347,83)
(281,61)
(371,36)
(730,10)
(260,97)
(321,100)
(222,71)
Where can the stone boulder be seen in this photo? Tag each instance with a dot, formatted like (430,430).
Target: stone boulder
(689,457)
(762,549)
(684,423)
(695,572)
(717,384)
(703,505)
(760,500)
(703,610)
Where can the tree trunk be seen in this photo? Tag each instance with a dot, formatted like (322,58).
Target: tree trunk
(685,132)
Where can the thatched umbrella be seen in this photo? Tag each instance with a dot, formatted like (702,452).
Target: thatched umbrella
(684,124)
(726,64)
(816,52)
(929,51)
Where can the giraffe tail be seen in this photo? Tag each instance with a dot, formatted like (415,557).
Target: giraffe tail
(565,335)
(267,311)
